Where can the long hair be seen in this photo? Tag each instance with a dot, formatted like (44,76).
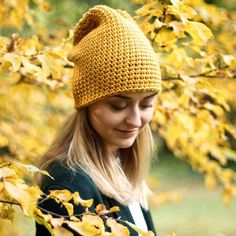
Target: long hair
(78,145)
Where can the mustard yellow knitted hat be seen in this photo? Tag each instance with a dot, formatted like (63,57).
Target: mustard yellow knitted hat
(111,55)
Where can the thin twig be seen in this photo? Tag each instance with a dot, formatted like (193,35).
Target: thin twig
(9,202)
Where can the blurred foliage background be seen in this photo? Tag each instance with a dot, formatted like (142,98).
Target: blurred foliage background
(183,206)
(67,13)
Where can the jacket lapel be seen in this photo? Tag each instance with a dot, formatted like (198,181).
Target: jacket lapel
(148,219)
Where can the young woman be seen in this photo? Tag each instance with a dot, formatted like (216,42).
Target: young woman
(104,149)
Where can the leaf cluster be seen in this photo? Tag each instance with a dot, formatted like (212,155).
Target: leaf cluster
(191,115)
(191,112)
(15,191)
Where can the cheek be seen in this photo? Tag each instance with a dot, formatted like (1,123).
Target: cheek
(147,117)
(97,120)
(101,119)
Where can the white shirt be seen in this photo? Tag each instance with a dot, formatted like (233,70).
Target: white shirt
(137,215)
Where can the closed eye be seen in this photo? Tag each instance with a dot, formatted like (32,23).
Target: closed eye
(146,106)
(117,107)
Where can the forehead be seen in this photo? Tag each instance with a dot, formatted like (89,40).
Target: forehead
(134,95)
(130,96)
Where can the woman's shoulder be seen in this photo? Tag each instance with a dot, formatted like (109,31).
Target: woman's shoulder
(64,177)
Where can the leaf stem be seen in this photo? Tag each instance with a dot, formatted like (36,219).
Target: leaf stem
(9,202)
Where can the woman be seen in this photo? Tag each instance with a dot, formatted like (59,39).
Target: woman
(104,149)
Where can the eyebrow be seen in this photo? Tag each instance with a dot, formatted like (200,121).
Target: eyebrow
(127,97)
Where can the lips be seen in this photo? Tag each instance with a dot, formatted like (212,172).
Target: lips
(126,133)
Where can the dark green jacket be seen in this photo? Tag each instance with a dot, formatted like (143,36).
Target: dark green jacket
(81,182)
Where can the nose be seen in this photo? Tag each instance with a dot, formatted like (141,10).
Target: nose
(134,118)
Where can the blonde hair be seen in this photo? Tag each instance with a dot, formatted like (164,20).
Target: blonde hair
(78,145)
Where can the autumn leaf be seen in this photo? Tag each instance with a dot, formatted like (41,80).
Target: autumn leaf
(134,227)
(11,59)
(165,38)
(6,172)
(149,233)
(69,207)
(198,31)
(117,228)
(114,209)
(7,212)
(197,99)
(210,181)
(43,219)
(61,231)
(33,169)
(78,200)
(101,209)
(90,225)
(26,196)
(61,195)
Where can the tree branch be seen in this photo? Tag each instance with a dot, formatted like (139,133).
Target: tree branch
(9,202)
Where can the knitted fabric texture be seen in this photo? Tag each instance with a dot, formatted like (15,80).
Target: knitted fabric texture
(111,55)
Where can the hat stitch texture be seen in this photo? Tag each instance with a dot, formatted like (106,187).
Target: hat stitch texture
(111,55)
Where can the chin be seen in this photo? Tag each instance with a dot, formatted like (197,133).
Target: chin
(126,144)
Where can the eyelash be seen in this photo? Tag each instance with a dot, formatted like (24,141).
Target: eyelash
(117,108)
(147,106)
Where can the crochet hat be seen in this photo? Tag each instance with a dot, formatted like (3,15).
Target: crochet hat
(111,55)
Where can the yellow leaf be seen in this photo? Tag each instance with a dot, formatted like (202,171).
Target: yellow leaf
(217,153)
(45,65)
(114,209)
(187,11)
(100,208)
(181,10)
(165,197)
(165,37)
(198,31)
(228,59)
(78,200)
(3,141)
(29,46)
(7,212)
(172,234)
(26,196)
(29,67)
(11,59)
(218,110)
(33,169)
(138,230)
(230,154)
(69,207)
(210,181)
(61,195)
(149,233)
(90,225)
(61,231)
(43,219)
(116,228)
(178,28)
(94,220)
(176,3)
(227,195)
(56,221)
(44,5)
(73,218)
(6,172)
(134,227)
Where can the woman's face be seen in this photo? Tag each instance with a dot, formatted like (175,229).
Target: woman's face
(119,119)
